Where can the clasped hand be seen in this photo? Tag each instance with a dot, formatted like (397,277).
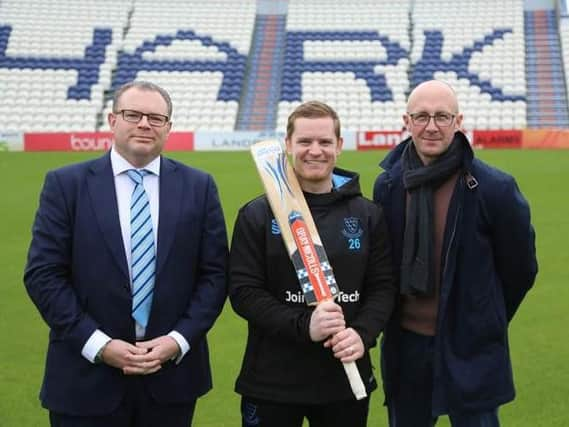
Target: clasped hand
(327,324)
(143,358)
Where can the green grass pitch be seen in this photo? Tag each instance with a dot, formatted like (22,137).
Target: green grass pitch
(539,351)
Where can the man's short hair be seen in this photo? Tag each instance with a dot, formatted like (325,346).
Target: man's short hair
(143,85)
(312,110)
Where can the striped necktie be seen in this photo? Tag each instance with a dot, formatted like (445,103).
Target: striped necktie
(143,257)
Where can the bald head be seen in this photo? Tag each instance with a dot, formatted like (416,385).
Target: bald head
(432,90)
(432,118)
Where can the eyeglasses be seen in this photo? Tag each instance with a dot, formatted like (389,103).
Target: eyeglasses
(133,116)
(441,119)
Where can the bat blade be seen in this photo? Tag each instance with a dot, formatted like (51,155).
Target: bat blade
(299,234)
(313,261)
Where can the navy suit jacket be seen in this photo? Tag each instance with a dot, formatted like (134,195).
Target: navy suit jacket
(77,276)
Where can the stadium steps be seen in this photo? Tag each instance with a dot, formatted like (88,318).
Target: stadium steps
(108,94)
(259,101)
(411,34)
(546,88)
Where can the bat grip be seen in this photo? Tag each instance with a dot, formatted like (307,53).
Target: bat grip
(355,380)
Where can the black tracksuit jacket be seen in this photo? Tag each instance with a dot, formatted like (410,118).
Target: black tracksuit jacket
(281,363)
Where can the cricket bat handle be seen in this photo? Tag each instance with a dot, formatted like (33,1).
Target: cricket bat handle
(355,380)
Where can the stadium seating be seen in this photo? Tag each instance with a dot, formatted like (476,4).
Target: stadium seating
(61,60)
(478,47)
(61,76)
(195,52)
(56,59)
(481,49)
(351,55)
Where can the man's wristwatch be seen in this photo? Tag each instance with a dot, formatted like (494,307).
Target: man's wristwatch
(98,356)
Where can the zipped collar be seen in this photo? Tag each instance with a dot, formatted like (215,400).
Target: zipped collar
(346,185)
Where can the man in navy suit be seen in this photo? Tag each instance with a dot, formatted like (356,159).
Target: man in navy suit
(104,367)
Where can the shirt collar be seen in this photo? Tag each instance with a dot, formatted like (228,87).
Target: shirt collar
(120,165)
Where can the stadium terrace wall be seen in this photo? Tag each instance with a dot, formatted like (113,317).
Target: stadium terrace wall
(239,141)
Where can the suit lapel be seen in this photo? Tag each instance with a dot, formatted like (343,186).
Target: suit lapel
(101,185)
(170,200)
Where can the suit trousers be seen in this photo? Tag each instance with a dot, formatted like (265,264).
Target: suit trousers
(138,409)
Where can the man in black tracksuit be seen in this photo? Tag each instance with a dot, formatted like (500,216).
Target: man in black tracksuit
(291,368)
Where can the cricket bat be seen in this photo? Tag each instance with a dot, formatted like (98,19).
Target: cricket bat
(300,235)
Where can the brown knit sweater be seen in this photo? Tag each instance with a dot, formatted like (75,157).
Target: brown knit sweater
(419,314)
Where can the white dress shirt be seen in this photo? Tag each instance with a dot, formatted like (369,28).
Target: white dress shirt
(124,187)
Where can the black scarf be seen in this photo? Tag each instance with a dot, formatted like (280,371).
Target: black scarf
(417,264)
